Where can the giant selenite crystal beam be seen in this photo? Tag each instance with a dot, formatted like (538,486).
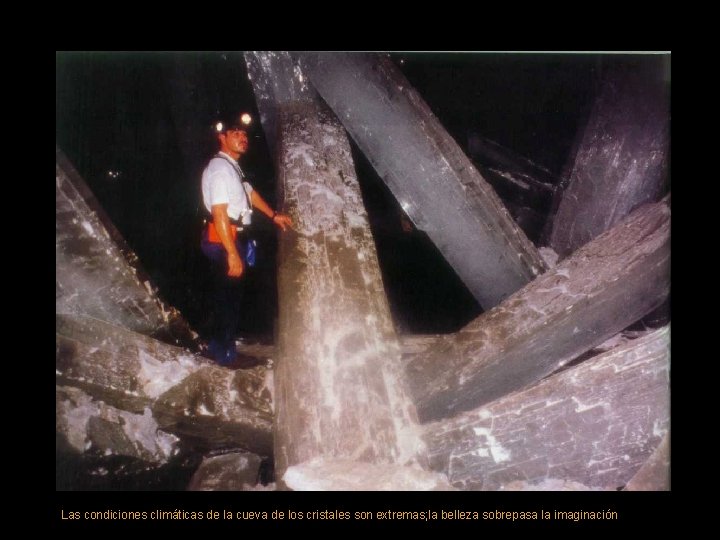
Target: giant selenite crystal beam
(84,425)
(339,391)
(410,344)
(96,274)
(654,475)
(595,423)
(602,288)
(186,395)
(275,79)
(430,176)
(622,159)
(236,471)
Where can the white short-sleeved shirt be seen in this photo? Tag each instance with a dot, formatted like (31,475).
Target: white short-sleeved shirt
(223,184)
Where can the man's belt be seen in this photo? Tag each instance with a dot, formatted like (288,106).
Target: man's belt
(214,237)
(238,225)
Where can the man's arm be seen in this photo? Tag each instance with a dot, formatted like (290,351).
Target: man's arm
(222,226)
(281,220)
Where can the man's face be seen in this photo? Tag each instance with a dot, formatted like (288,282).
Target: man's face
(236,140)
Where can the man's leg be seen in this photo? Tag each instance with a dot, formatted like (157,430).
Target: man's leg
(226,303)
(232,294)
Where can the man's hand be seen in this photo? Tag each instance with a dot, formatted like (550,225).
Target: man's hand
(283,221)
(235,265)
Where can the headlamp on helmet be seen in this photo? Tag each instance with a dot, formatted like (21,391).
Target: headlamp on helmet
(241,122)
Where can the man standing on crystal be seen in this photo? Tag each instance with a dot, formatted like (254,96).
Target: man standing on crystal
(229,201)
